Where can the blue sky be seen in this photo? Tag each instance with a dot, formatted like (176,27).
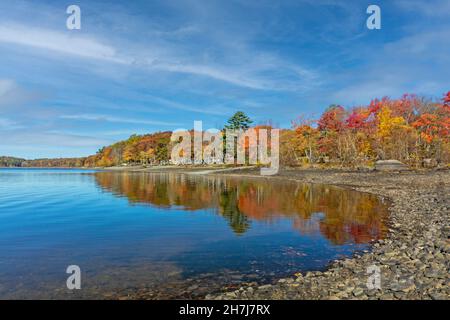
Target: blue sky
(143,66)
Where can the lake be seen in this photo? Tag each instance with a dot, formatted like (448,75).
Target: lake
(170,235)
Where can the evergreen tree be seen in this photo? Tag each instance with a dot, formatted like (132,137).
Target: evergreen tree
(238,121)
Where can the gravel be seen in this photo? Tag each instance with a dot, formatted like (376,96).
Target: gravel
(413,258)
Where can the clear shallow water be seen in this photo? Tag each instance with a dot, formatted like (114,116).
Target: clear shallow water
(167,235)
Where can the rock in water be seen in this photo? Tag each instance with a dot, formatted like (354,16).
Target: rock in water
(390,165)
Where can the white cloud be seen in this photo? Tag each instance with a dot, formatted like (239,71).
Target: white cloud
(266,73)
(416,63)
(215,73)
(107,118)
(214,110)
(432,8)
(13,95)
(6,86)
(59,42)
(50,139)
(7,124)
(252,70)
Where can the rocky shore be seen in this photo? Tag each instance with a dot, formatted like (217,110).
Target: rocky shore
(413,259)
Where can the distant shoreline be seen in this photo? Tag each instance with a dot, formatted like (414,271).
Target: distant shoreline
(222,168)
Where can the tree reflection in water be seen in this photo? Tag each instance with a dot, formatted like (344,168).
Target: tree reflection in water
(342,216)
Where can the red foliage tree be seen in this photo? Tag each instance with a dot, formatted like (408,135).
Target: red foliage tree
(332,119)
(357,119)
(446,99)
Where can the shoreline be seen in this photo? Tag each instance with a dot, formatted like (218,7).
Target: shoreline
(412,258)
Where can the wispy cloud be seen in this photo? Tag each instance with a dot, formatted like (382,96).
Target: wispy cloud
(246,75)
(108,118)
(86,47)
(13,95)
(252,72)
(50,139)
(432,8)
(6,86)
(7,124)
(416,63)
(213,109)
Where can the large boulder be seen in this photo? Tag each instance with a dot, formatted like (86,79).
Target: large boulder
(429,163)
(390,165)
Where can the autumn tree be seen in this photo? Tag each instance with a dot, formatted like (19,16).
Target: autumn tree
(434,131)
(332,120)
(306,138)
(446,99)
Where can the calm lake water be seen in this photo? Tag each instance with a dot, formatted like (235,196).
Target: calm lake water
(168,235)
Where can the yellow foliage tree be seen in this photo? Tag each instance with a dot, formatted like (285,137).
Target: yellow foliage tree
(387,123)
(395,137)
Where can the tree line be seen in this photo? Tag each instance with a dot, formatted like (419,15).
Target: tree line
(411,129)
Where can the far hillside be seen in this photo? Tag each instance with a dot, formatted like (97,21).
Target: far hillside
(11,161)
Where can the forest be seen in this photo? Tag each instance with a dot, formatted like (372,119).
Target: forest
(411,129)
(11,162)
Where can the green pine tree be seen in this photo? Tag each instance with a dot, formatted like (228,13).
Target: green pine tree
(238,121)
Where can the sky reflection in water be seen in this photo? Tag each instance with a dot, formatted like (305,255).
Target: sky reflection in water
(149,232)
